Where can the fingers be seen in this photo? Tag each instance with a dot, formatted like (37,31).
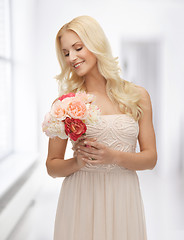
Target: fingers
(80,142)
(82,152)
(84,137)
(93,144)
(88,154)
(87,150)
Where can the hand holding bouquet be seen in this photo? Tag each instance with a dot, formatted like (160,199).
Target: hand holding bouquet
(69,115)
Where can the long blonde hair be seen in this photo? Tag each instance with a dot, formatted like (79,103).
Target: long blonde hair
(118,90)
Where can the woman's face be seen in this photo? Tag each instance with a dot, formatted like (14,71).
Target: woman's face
(77,56)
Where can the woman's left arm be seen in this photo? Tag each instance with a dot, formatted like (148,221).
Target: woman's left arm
(145,159)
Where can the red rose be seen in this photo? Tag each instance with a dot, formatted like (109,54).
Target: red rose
(74,128)
(66,95)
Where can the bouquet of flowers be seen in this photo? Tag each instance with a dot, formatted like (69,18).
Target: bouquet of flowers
(69,115)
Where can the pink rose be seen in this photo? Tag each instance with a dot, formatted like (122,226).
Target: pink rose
(66,96)
(74,128)
(77,109)
(58,111)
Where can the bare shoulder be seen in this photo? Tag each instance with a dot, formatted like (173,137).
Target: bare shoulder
(144,93)
(145,99)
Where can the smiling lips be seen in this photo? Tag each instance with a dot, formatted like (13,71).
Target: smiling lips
(76,65)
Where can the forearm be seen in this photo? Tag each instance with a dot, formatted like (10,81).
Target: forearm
(61,167)
(136,161)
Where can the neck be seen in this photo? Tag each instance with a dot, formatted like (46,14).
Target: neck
(95,82)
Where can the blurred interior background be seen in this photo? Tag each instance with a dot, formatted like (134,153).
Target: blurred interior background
(148,38)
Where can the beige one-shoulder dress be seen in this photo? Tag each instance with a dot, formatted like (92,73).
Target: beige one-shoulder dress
(103,202)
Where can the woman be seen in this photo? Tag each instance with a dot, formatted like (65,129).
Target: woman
(100,197)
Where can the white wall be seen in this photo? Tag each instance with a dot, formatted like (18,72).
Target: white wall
(123,20)
(16,194)
(24,76)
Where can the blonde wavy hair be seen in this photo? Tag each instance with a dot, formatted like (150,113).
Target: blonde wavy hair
(120,91)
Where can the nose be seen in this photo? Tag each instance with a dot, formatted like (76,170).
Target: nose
(72,56)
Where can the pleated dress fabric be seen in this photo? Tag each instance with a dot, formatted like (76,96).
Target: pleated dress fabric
(103,202)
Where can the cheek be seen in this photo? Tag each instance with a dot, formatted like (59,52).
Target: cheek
(93,61)
(67,61)
(92,58)
(89,55)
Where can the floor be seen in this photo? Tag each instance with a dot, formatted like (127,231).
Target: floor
(163,202)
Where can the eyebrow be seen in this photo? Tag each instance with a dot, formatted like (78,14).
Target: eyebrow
(73,45)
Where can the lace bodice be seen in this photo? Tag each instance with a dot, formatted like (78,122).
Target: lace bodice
(118,131)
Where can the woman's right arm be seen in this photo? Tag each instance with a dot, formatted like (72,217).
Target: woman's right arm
(56,165)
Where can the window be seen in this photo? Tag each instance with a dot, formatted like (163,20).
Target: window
(6,83)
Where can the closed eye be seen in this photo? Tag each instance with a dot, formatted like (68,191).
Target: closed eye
(78,49)
(67,53)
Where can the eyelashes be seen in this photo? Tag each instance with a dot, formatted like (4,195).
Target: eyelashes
(78,49)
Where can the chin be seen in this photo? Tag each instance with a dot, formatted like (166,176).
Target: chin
(82,74)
